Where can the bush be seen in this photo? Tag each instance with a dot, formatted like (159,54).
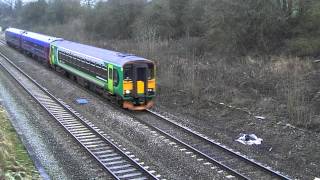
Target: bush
(303,46)
(243,28)
(305,36)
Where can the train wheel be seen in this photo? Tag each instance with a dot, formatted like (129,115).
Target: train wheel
(67,74)
(91,87)
(120,101)
(73,77)
(54,67)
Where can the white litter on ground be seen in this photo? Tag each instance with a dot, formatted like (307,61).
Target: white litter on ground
(249,139)
(316,178)
(289,125)
(260,117)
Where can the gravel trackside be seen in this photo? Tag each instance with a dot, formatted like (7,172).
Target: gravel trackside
(51,146)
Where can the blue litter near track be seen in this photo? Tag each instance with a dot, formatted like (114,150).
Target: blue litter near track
(82,101)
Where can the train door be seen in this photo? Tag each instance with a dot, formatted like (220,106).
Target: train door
(47,54)
(53,55)
(140,79)
(20,41)
(110,78)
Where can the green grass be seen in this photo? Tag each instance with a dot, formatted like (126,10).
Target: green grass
(15,162)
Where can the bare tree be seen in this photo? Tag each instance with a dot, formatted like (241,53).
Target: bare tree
(9,3)
(89,3)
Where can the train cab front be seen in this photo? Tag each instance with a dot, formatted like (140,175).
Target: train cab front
(139,85)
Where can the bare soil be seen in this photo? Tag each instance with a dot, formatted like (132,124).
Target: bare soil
(293,151)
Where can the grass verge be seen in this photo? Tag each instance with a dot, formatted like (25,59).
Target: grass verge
(15,162)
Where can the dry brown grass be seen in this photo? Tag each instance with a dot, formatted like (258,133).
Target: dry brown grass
(281,86)
(297,91)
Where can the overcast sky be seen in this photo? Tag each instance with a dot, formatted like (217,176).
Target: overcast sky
(25,1)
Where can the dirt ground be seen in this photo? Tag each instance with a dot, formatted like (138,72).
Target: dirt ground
(285,148)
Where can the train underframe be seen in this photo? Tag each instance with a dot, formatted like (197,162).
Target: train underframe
(131,106)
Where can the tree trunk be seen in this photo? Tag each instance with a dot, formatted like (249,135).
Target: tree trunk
(290,5)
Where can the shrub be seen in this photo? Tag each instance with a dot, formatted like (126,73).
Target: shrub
(304,46)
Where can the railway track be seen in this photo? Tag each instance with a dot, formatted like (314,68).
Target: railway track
(207,150)
(116,162)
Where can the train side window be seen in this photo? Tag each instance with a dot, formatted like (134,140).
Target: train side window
(103,73)
(115,77)
(59,56)
(110,73)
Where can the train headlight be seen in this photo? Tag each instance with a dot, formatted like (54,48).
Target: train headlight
(150,90)
(127,91)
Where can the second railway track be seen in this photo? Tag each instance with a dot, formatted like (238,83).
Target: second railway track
(208,150)
(116,162)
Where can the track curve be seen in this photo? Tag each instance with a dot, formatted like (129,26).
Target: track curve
(116,162)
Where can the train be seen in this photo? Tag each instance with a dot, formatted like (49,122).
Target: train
(127,79)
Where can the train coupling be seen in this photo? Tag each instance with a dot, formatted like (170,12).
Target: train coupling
(131,106)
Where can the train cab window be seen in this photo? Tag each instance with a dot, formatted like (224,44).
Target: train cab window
(115,77)
(141,74)
(127,72)
(151,71)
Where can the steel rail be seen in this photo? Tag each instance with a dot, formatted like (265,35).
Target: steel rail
(106,153)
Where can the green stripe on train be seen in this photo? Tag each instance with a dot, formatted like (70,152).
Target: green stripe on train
(83,75)
(116,89)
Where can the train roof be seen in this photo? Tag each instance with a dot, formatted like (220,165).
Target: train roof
(97,55)
(40,37)
(15,30)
